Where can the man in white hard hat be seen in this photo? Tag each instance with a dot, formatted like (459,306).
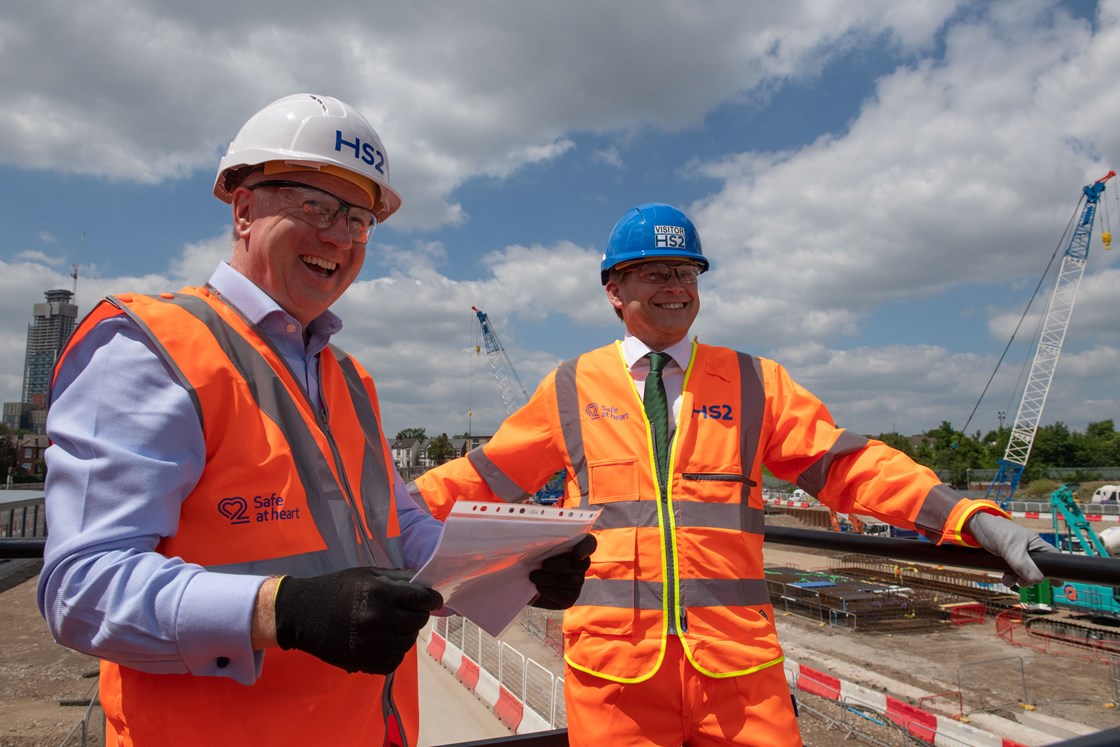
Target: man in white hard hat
(227,528)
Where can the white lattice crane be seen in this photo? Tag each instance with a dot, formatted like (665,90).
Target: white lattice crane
(512,391)
(1050,342)
(512,397)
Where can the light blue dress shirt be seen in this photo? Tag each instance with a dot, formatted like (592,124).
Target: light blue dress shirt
(127,448)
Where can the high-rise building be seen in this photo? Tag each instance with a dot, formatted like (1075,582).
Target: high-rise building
(50,329)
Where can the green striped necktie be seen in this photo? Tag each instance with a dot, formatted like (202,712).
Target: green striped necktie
(657,410)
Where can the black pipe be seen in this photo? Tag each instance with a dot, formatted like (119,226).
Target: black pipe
(1082,568)
(13,548)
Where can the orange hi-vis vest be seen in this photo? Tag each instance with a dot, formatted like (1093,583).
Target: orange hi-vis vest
(285,490)
(685,559)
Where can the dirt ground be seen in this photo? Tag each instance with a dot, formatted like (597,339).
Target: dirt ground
(999,683)
(36,675)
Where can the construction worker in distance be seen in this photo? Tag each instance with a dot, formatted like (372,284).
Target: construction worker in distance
(672,640)
(228,531)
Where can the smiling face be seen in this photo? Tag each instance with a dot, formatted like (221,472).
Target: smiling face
(658,314)
(303,268)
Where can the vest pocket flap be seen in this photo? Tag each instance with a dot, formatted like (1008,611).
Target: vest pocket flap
(611,480)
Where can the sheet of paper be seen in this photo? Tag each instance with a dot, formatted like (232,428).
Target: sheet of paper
(485,553)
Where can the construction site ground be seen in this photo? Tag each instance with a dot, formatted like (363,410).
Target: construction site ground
(995,679)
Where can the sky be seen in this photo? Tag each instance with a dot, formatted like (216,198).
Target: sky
(880,185)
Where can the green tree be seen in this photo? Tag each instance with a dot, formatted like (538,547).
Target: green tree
(897,441)
(440,449)
(9,456)
(1053,447)
(950,453)
(1099,446)
(417,433)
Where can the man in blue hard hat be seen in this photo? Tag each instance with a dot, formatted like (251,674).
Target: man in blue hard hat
(672,640)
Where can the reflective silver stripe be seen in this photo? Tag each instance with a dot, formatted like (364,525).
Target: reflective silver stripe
(418,497)
(568,411)
(302,565)
(646,595)
(813,479)
(752,404)
(689,514)
(724,592)
(497,480)
(620,592)
(735,516)
(375,478)
(329,508)
(625,514)
(167,359)
(936,507)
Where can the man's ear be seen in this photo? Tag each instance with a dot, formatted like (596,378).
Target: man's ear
(613,294)
(242,205)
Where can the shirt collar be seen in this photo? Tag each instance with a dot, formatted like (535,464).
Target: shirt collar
(260,309)
(633,350)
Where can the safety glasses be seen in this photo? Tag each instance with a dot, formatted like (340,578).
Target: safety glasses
(656,273)
(321,209)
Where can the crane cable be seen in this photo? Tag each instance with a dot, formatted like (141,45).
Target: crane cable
(1046,272)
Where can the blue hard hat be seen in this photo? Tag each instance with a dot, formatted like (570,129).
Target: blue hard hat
(649,231)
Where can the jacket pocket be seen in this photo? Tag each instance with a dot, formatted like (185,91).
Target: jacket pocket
(611,480)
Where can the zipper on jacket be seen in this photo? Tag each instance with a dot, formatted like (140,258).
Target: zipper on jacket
(719,477)
(675,617)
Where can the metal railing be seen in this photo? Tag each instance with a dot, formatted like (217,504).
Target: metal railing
(1058,565)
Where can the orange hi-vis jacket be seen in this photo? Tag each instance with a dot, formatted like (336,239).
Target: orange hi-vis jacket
(285,490)
(686,558)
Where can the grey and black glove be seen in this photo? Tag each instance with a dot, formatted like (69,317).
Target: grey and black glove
(1011,542)
(559,580)
(359,619)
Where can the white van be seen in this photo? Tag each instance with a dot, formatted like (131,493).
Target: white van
(1106,494)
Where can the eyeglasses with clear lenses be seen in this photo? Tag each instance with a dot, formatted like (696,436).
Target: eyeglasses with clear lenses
(657,273)
(321,209)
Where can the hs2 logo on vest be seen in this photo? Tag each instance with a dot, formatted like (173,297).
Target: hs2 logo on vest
(715,412)
(608,412)
(265,508)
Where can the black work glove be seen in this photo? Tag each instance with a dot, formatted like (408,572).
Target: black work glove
(559,580)
(359,619)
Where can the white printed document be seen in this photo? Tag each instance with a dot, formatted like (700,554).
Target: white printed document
(481,565)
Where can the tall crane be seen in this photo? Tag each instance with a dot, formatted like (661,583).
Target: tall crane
(1050,342)
(513,393)
(501,365)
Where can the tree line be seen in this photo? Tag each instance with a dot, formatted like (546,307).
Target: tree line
(953,454)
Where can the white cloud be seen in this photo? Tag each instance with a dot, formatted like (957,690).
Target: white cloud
(34,255)
(456,91)
(960,170)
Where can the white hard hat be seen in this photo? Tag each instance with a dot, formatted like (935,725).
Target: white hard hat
(306,131)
